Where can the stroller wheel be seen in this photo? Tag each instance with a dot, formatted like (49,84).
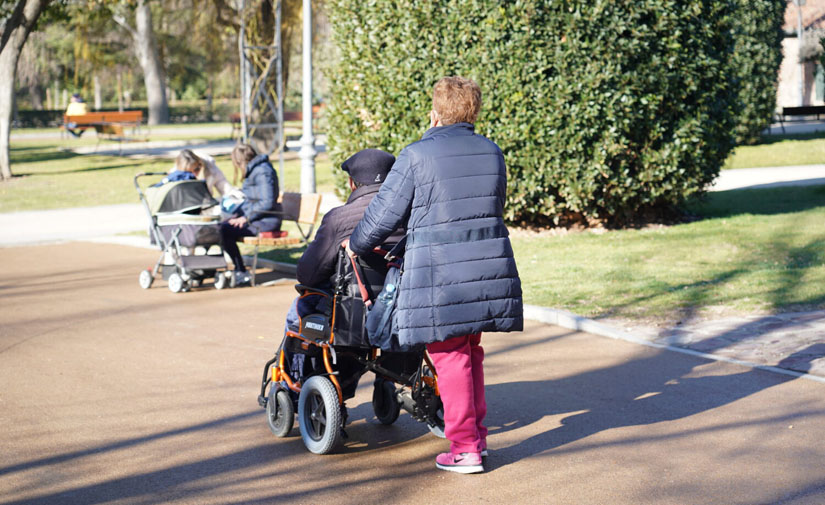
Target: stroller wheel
(280,413)
(176,283)
(319,415)
(146,279)
(384,404)
(220,280)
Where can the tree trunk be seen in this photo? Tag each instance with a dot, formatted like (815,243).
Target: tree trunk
(154,77)
(36,95)
(98,92)
(119,91)
(14,34)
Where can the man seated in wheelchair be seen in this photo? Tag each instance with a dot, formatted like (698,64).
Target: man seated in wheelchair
(324,267)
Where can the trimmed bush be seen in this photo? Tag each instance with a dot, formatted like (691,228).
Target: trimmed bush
(757,56)
(603,109)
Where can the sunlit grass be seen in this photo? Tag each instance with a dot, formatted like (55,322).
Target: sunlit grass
(780,151)
(753,251)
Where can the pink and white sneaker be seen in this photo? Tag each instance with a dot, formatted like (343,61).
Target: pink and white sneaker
(466,462)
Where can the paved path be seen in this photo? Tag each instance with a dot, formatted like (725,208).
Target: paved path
(112,394)
(171,148)
(767,177)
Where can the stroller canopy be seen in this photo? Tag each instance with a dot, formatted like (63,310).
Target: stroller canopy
(179,196)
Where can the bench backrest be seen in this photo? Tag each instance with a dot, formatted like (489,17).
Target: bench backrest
(300,207)
(804,110)
(127,116)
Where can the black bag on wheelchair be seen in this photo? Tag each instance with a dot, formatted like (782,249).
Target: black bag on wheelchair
(350,309)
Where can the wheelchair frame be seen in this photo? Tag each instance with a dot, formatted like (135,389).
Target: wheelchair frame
(318,397)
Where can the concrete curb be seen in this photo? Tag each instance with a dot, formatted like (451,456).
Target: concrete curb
(575,322)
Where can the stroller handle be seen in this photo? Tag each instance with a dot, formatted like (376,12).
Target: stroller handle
(145,174)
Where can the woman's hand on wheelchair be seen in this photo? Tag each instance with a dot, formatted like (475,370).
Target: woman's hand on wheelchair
(345,245)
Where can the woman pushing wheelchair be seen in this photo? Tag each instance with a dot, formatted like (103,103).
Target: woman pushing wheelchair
(460,278)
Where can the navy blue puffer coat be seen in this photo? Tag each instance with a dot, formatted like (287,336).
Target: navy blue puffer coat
(459,273)
(260,187)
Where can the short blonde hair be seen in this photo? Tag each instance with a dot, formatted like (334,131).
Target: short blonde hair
(456,100)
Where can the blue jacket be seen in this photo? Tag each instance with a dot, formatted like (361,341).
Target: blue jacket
(260,186)
(459,273)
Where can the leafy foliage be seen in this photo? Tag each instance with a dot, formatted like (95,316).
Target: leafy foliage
(756,60)
(603,109)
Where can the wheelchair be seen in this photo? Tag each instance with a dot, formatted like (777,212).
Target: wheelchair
(318,364)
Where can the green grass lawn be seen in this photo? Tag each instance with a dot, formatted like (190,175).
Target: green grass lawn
(779,151)
(754,251)
(49,177)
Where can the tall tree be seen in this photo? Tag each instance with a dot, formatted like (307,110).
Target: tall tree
(146,49)
(14,30)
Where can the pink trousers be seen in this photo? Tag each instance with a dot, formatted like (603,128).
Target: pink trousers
(458,365)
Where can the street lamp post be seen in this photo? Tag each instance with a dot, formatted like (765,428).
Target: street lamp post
(307,152)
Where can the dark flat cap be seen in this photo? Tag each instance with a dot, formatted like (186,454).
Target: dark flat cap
(369,166)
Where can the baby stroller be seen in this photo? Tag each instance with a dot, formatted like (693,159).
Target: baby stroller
(333,348)
(177,228)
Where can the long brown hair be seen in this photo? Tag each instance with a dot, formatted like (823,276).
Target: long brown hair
(241,155)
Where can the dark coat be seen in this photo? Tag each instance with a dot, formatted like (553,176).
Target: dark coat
(260,187)
(459,273)
(317,264)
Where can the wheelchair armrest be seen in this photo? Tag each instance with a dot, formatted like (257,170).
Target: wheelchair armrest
(303,290)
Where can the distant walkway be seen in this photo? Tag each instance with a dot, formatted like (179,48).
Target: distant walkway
(768,177)
(170,148)
(795,128)
(84,223)
(197,129)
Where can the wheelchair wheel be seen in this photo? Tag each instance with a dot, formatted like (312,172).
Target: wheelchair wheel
(280,413)
(319,415)
(384,404)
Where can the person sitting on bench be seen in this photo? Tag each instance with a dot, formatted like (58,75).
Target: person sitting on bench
(77,107)
(257,212)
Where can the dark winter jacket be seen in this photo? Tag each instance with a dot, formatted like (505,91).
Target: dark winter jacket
(317,264)
(260,187)
(459,273)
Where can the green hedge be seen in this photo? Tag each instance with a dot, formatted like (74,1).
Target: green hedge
(757,56)
(603,108)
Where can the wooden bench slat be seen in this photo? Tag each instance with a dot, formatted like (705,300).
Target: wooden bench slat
(272,241)
(299,207)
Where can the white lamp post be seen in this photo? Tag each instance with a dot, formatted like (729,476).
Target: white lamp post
(307,152)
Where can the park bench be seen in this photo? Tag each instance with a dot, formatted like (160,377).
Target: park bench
(302,209)
(800,111)
(108,124)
